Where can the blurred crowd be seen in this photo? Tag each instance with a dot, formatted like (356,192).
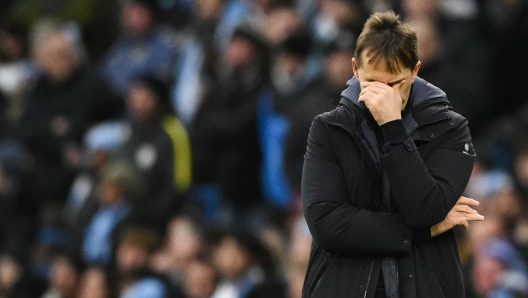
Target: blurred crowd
(154,148)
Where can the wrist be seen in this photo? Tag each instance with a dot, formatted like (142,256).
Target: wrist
(388,120)
(437,229)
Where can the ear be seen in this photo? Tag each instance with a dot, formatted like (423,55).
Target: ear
(355,68)
(415,70)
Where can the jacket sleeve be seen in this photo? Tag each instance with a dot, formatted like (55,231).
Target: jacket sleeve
(335,225)
(426,190)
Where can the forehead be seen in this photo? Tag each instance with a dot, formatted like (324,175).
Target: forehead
(379,72)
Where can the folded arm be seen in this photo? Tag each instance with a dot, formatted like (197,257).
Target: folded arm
(336,225)
(426,190)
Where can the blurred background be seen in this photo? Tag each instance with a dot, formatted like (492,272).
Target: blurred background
(154,148)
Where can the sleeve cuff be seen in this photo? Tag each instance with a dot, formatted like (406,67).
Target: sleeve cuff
(421,236)
(394,134)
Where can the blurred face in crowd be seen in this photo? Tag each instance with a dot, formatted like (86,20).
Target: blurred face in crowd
(11,46)
(10,272)
(131,257)
(64,277)
(486,274)
(184,242)
(280,24)
(240,52)
(111,193)
(521,168)
(136,19)
(142,103)
(56,58)
(200,280)
(378,72)
(209,9)
(337,69)
(231,259)
(265,5)
(342,12)
(415,9)
(93,284)
(428,40)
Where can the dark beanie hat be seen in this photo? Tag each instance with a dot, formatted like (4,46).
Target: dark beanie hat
(156,85)
(251,31)
(298,44)
(151,5)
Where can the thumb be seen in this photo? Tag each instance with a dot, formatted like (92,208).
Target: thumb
(398,86)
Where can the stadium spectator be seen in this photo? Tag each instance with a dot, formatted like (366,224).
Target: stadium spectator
(67,98)
(201,279)
(158,148)
(145,47)
(134,248)
(115,200)
(244,266)
(182,245)
(224,134)
(94,283)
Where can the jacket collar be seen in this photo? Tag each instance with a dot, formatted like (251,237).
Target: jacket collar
(427,103)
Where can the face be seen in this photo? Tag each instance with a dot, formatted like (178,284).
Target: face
(56,58)
(280,24)
(200,281)
(337,70)
(142,103)
(231,259)
(184,242)
(136,19)
(63,277)
(131,257)
(208,9)
(371,72)
(486,273)
(93,284)
(10,272)
(240,52)
(111,194)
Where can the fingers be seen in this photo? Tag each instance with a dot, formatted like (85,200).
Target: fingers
(471,217)
(465,209)
(397,86)
(474,217)
(378,88)
(467,213)
(464,221)
(468,201)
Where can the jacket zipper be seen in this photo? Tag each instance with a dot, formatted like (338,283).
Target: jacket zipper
(368,280)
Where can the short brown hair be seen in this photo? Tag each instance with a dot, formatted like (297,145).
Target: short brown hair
(144,237)
(387,39)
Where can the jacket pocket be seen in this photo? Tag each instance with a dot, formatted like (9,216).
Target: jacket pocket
(345,278)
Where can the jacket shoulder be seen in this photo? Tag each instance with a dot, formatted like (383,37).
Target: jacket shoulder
(456,117)
(340,115)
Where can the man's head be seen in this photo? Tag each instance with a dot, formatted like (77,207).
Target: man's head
(387,52)
(148,96)
(247,46)
(138,17)
(134,248)
(57,51)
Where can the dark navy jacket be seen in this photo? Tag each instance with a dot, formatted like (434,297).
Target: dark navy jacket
(342,193)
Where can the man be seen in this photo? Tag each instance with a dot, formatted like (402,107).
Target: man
(382,178)
(145,47)
(160,151)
